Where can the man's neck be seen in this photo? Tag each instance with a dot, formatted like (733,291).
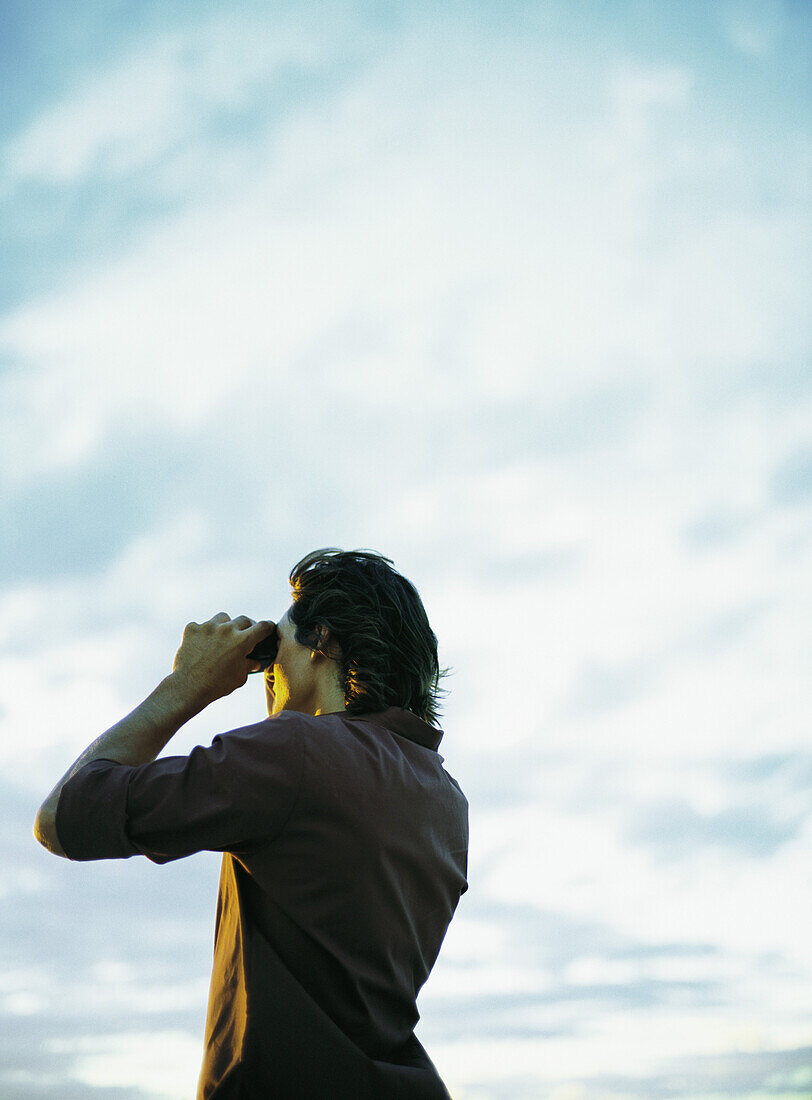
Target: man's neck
(330,705)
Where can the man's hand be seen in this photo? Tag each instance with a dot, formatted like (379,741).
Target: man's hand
(212,659)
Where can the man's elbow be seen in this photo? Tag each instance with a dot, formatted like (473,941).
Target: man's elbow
(45,831)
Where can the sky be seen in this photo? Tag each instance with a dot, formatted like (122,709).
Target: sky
(516,294)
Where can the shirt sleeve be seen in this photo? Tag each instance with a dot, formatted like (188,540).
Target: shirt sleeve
(233,796)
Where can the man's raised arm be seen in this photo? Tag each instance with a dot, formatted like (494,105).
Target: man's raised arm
(211,662)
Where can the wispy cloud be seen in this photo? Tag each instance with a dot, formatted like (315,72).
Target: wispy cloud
(524,307)
(677,829)
(150,107)
(755,27)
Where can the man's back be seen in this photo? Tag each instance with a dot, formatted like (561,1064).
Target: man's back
(345,846)
(326,934)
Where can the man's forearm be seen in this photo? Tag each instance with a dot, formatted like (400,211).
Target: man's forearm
(136,739)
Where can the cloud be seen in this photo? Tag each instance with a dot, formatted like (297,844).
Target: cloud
(160,100)
(776,772)
(677,829)
(638,92)
(739,1074)
(138,955)
(166,1063)
(791,482)
(755,26)
(525,314)
(718,526)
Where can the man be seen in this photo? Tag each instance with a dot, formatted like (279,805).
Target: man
(344,839)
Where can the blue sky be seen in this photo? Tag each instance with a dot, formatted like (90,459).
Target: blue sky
(516,294)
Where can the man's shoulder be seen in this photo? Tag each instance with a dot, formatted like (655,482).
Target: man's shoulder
(338,723)
(290,727)
(340,735)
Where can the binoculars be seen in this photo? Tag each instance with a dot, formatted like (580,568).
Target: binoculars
(265,652)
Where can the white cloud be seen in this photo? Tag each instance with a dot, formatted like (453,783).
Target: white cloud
(637,92)
(165,1063)
(482,278)
(448,303)
(108,638)
(157,99)
(754,26)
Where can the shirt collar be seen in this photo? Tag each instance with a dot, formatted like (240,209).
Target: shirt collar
(407,724)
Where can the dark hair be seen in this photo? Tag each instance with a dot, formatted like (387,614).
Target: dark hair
(388,650)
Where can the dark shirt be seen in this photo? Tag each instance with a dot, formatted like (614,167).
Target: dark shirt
(345,848)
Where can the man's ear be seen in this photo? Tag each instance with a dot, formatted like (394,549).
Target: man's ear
(324,644)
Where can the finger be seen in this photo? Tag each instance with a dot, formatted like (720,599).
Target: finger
(260,630)
(242,622)
(220,617)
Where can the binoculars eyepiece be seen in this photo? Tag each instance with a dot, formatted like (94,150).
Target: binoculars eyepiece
(265,652)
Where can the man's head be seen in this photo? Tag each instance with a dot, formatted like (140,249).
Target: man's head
(356,637)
